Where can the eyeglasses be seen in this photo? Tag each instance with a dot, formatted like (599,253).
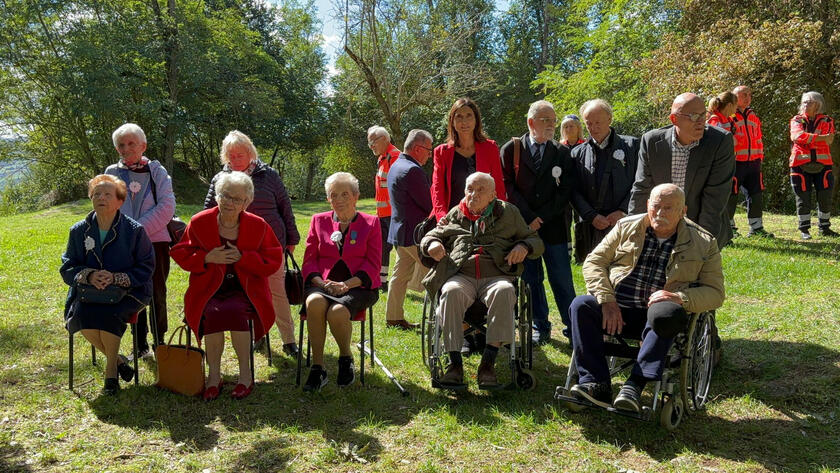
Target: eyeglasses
(233,200)
(695,117)
(373,141)
(426,148)
(547,120)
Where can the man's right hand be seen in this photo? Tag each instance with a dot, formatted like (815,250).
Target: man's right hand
(612,323)
(536,223)
(600,222)
(437,251)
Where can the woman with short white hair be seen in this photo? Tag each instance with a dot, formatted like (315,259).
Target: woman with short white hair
(151,202)
(341,274)
(272,203)
(230,253)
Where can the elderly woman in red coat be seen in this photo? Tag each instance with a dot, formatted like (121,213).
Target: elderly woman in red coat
(467,150)
(230,254)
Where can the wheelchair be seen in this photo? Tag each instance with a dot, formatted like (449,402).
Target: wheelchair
(684,387)
(519,352)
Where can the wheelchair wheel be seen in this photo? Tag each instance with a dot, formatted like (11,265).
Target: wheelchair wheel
(525,380)
(671,412)
(424,345)
(696,366)
(525,322)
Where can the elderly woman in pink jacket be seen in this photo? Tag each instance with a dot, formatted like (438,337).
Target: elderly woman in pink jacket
(341,275)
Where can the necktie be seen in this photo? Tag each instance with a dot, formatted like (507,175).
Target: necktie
(538,155)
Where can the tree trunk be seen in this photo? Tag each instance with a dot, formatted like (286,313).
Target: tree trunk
(168,28)
(310,176)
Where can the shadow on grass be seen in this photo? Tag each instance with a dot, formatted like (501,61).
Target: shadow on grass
(790,247)
(20,339)
(797,380)
(12,459)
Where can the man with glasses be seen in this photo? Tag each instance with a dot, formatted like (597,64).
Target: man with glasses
(411,202)
(379,141)
(699,159)
(538,178)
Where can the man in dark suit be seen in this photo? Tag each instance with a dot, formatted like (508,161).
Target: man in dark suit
(411,202)
(699,159)
(539,183)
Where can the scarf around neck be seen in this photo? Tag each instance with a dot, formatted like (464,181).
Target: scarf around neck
(139,166)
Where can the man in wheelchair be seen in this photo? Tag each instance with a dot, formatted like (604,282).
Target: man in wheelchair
(643,279)
(478,247)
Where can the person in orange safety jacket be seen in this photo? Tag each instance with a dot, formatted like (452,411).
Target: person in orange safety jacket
(811,134)
(379,141)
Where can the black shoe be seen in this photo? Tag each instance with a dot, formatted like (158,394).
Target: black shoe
(540,337)
(112,386)
(125,371)
(567,332)
(384,287)
(599,394)
(805,234)
(346,375)
(760,232)
(290,349)
(316,380)
(629,399)
(828,232)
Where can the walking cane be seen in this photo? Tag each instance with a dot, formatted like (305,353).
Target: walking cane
(390,376)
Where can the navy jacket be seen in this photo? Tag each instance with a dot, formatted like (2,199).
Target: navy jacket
(271,202)
(536,192)
(411,199)
(593,196)
(127,252)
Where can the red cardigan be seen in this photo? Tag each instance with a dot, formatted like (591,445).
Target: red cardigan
(487,159)
(262,256)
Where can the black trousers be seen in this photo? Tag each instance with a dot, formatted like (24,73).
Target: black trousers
(748,180)
(158,297)
(822,183)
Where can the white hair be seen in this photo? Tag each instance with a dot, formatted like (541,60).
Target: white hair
(815,96)
(377,130)
(481,177)
(414,136)
(127,129)
(234,179)
(539,106)
(236,139)
(596,103)
(342,178)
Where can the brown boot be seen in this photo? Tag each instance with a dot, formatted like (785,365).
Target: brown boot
(487,376)
(453,378)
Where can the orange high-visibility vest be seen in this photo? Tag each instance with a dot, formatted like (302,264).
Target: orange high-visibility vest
(383,202)
(749,145)
(803,134)
(717,119)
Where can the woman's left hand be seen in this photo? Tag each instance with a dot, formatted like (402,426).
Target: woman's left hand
(336,288)
(101,279)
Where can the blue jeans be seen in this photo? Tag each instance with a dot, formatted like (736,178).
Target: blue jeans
(559,278)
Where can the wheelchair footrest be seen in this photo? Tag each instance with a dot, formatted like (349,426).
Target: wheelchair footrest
(561,394)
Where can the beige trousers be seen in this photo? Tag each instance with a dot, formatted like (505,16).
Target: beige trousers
(459,293)
(282,311)
(405,268)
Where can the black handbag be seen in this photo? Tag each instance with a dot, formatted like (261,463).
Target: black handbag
(294,280)
(176,228)
(110,295)
(423,228)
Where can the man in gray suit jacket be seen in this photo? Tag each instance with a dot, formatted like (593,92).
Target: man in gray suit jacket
(700,159)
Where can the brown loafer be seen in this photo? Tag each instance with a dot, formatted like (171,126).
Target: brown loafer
(453,378)
(487,377)
(402,324)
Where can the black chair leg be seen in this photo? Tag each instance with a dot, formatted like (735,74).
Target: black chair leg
(152,314)
(134,353)
(362,355)
(71,362)
(93,355)
(251,350)
(300,353)
(370,325)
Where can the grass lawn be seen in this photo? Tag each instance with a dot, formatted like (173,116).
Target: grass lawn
(775,402)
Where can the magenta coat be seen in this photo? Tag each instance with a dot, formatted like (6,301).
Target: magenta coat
(362,246)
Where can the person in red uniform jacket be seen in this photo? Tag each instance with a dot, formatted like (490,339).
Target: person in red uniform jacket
(379,142)
(720,112)
(812,133)
(467,150)
(749,153)
(229,254)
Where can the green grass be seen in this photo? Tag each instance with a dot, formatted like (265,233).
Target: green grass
(775,404)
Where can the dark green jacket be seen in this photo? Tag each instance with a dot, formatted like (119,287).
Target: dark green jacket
(504,230)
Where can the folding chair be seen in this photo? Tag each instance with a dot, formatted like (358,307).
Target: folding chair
(360,316)
(133,322)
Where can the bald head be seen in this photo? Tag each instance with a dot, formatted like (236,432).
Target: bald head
(479,192)
(685,99)
(670,191)
(744,95)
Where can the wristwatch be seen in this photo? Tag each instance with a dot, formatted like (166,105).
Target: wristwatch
(683,298)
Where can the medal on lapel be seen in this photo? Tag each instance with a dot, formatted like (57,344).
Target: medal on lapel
(353,236)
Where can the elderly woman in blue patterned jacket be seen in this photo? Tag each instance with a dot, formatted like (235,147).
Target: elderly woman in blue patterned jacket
(272,203)
(151,202)
(108,253)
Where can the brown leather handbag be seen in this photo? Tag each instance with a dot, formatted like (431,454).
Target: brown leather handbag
(180,367)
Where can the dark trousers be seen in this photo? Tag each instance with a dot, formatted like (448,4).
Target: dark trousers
(749,181)
(656,326)
(158,297)
(384,223)
(822,183)
(559,278)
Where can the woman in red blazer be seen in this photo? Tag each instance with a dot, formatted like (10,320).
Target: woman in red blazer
(341,275)
(230,254)
(466,151)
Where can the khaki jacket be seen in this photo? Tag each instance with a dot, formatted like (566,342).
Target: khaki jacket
(694,270)
(505,230)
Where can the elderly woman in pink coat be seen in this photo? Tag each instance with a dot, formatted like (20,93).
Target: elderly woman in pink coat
(341,275)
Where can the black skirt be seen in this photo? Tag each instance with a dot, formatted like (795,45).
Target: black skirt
(355,300)
(111,318)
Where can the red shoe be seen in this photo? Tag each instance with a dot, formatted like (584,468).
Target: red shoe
(213,392)
(241,391)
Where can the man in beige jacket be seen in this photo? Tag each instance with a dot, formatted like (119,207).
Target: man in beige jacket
(643,279)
